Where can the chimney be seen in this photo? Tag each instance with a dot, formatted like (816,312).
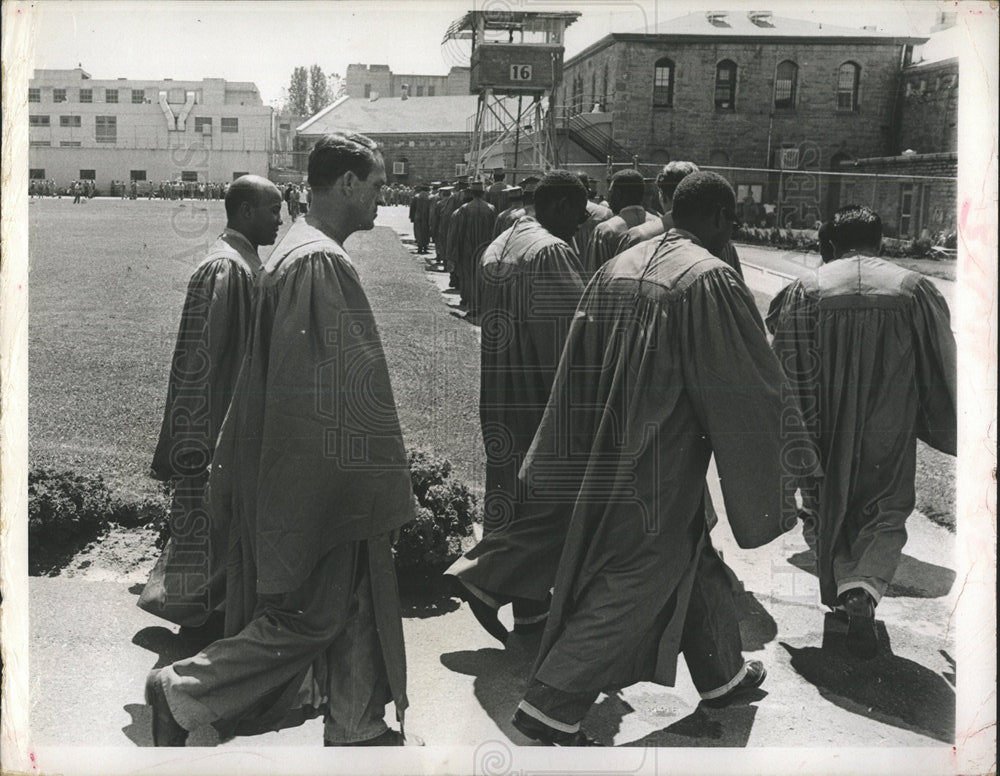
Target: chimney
(761,18)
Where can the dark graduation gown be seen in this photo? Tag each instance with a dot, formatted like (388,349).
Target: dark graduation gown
(188,581)
(505,219)
(530,290)
(666,362)
(597,214)
(311,454)
(448,208)
(420,215)
(870,352)
(471,231)
(606,240)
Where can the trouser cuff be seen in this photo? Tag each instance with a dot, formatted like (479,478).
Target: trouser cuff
(720,691)
(540,716)
(860,584)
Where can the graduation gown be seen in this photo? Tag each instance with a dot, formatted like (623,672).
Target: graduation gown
(869,350)
(597,214)
(666,362)
(505,219)
(606,241)
(420,215)
(471,230)
(448,208)
(651,230)
(530,290)
(188,581)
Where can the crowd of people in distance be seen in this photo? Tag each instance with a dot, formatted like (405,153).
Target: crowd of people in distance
(621,351)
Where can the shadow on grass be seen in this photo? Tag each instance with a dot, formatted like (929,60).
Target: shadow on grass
(889,689)
(49,558)
(914,578)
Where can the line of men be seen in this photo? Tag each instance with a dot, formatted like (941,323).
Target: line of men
(601,404)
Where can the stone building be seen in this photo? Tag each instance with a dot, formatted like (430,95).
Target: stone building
(144,130)
(421,139)
(365,80)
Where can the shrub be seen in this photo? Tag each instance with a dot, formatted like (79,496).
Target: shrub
(445,513)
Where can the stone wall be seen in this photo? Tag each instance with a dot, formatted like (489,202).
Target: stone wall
(929,122)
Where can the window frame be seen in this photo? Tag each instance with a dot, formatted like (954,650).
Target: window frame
(791,101)
(89,96)
(107,122)
(855,88)
(234,127)
(59,95)
(39,120)
(664,63)
(141,94)
(134,175)
(200,123)
(730,67)
(189,176)
(32,176)
(108,94)
(91,175)
(34,94)
(72,121)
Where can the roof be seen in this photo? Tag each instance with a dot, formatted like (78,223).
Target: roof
(741,25)
(940,46)
(494,19)
(394,115)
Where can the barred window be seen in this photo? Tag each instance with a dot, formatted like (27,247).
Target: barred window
(111,95)
(88,175)
(106,129)
(663,83)
(230,125)
(69,144)
(69,121)
(137,175)
(203,124)
(138,96)
(86,95)
(34,95)
(39,121)
(189,176)
(36,174)
(58,95)
(725,85)
(848,79)
(785,84)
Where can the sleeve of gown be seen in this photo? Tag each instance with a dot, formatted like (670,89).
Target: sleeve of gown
(556,288)
(738,392)
(935,369)
(205,364)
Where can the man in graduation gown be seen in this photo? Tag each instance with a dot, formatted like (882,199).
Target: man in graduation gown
(471,231)
(665,364)
(869,349)
(458,197)
(625,196)
(666,183)
(443,194)
(596,214)
(515,209)
(530,288)
(188,582)
(496,194)
(311,468)
(420,217)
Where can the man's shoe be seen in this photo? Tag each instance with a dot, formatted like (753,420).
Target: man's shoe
(754,678)
(542,733)
(862,638)
(485,614)
(167,731)
(388,738)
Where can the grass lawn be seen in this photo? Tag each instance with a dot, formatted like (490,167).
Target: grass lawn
(107,284)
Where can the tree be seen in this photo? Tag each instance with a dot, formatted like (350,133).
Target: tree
(297,102)
(319,91)
(337,86)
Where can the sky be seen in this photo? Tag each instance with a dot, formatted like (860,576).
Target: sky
(264,41)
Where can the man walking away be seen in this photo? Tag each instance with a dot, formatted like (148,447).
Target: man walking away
(869,348)
(471,231)
(625,196)
(596,214)
(311,469)
(644,394)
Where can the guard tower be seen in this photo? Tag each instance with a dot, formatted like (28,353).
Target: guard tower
(515,54)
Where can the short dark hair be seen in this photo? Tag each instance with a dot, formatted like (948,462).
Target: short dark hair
(499,175)
(556,186)
(854,227)
(672,174)
(699,195)
(630,187)
(337,153)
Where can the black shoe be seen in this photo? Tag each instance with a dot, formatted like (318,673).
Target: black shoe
(167,731)
(485,614)
(388,738)
(862,638)
(538,731)
(754,678)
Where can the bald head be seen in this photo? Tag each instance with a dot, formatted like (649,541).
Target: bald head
(253,208)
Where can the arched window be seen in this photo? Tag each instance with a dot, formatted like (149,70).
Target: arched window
(784,84)
(663,83)
(725,85)
(848,79)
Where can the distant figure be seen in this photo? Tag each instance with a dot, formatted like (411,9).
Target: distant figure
(625,195)
(869,349)
(596,214)
(420,217)
(471,231)
(495,194)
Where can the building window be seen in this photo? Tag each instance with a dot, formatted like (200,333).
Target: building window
(203,125)
(368,90)
(189,176)
(460,170)
(106,129)
(848,79)
(86,95)
(137,175)
(69,143)
(663,83)
(230,125)
(725,85)
(906,209)
(39,143)
(34,95)
(430,91)
(239,175)
(88,175)
(39,121)
(69,121)
(138,98)
(36,174)
(785,84)
(111,95)
(58,95)
(399,168)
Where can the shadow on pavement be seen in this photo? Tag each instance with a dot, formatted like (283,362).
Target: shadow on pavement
(704,727)
(757,626)
(890,689)
(168,645)
(425,594)
(914,578)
